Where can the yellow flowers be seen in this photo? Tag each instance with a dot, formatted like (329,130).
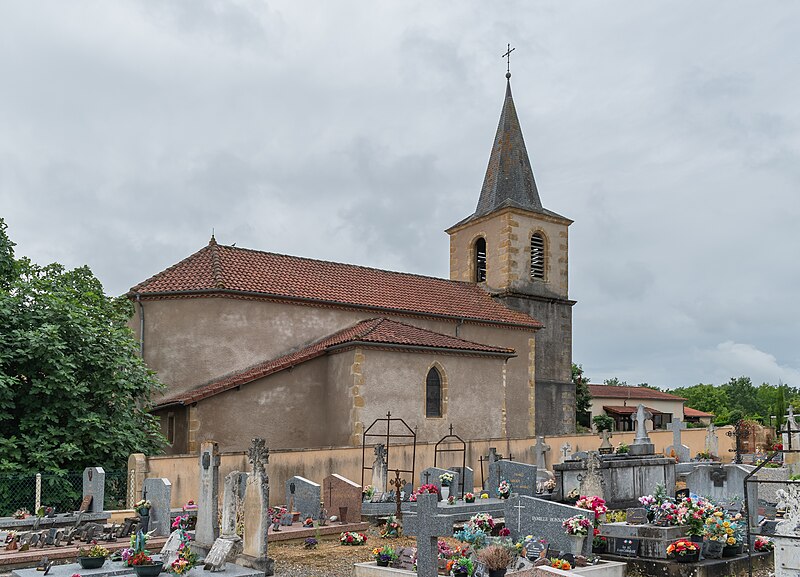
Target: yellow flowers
(726,524)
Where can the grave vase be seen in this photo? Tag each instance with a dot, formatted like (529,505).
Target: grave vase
(732,550)
(497,572)
(445,492)
(144,519)
(343,515)
(577,544)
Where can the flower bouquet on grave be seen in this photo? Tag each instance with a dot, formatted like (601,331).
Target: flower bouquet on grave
(684,551)
(474,537)
(469,497)
(577,525)
(310,543)
(622,448)
(562,564)
(93,557)
(482,521)
(427,488)
(186,559)
(384,555)
(504,489)
(463,566)
(392,528)
(451,500)
(142,507)
(446,479)
(693,513)
(595,504)
(763,545)
(21,513)
(367,493)
(352,538)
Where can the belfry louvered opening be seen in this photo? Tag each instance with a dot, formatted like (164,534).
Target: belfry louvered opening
(537,256)
(480,260)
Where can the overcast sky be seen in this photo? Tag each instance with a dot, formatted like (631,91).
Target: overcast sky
(359,131)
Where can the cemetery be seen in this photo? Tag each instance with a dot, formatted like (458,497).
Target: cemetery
(605,513)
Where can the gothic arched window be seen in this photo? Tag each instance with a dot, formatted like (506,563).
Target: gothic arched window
(537,256)
(480,260)
(433,393)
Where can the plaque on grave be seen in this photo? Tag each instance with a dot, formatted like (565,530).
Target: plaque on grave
(480,570)
(636,516)
(86,503)
(535,549)
(406,558)
(219,553)
(627,547)
(605,450)
(682,494)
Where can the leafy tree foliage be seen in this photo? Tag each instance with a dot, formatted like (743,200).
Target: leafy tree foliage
(583,399)
(73,391)
(615,382)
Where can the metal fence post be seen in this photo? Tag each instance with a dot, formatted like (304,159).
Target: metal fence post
(38,491)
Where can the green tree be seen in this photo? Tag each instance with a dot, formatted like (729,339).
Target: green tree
(615,382)
(73,391)
(583,398)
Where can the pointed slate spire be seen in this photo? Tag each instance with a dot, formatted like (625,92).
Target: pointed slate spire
(509,176)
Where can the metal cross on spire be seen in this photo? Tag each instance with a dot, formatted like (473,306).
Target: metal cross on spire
(507,56)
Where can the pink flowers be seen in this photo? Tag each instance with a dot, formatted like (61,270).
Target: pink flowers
(504,532)
(577,525)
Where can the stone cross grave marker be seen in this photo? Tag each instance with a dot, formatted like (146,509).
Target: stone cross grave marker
(522,476)
(531,516)
(642,445)
(380,470)
(341,493)
(207,529)
(680,450)
(256,511)
(566,450)
(306,496)
(606,448)
(159,493)
(232,496)
(712,441)
(427,526)
(540,450)
(94,485)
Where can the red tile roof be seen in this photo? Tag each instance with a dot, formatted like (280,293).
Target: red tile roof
(617,392)
(379,332)
(224,270)
(690,412)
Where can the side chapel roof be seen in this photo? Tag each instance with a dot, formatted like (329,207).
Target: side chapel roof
(379,332)
(219,270)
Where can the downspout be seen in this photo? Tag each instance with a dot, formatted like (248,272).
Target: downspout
(458,325)
(141,325)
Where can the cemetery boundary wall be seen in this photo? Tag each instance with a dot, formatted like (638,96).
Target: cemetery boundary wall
(316,464)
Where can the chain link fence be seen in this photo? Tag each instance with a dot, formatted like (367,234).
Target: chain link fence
(63,491)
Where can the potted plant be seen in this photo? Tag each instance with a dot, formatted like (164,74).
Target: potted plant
(577,527)
(504,489)
(384,555)
(142,509)
(717,535)
(623,448)
(496,558)
(367,493)
(92,557)
(462,567)
(144,566)
(310,543)
(684,551)
(734,535)
(469,497)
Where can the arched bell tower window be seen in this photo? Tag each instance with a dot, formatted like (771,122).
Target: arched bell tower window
(537,256)
(480,260)
(433,393)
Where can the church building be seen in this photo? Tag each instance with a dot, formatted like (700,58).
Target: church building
(308,353)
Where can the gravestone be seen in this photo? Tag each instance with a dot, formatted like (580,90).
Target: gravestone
(712,441)
(591,482)
(721,483)
(543,519)
(207,529)
(94,486)
(306,496)
(159,493)
(566,451)
(787,551)
(232,496)
(540,450)
(432,476)
(636,516)
(338,491)
(642,445)
(169,552)
(677,449)
(467,475)
(219,554)
(256,512)
(522,476)
(606,448)
(427,526)
(380,471)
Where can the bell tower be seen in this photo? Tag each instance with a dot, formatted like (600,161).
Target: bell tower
(517,250)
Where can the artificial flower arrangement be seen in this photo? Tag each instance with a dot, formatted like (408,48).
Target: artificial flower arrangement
(310,543)
(385,554)
(141,558)
(549,485)
(446,479)
(482,521)
(190,505)
(463,564)
(451,500)
(504,489)
(723,529)
(391,529)
(352,538)
(94,551)
(142,506)
(21,513)
(484,495)
(562,564)
(682,548)
(693,512)
(504,532)
(469,497)
(622,448)
(137,553)
(427,488)
(275,513)
(187,559)
(595,504)
(763,544)
(577,525)
(367,492)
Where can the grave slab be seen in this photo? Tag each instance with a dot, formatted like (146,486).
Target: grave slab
(543,519)
(158,492)
(94,484)
(522,477)
(116,569)
(338,491)
(303,496)
(653,540)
